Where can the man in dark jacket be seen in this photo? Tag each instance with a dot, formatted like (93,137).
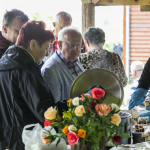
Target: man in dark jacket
(24,95)
(12,22)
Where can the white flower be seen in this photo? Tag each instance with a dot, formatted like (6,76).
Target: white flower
(115,107)
(75,101)
(72,128)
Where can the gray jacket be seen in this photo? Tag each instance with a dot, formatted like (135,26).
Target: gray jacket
(58,77)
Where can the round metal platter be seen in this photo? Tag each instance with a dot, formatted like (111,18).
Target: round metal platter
(106,79)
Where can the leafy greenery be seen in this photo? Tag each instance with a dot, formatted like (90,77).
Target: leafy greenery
(97,128)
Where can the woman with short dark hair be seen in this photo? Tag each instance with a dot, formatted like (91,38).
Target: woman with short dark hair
(97,57)
(24,95)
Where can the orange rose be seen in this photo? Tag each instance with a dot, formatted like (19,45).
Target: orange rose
(50,113)
(115,119)
(46,141)
(102,109)
(81,133)
(59,118)
(83,98)
(65,130)
(69,101)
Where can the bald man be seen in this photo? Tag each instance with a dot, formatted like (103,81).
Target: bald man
(63,19)
(61,69)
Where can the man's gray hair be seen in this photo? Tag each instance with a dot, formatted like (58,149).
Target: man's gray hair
(95,36)
(137,66)
(63,15)
(9,16)
(64,30)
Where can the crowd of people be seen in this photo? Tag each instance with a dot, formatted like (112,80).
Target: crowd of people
(38,67)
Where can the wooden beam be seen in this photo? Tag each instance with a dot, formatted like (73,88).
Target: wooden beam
(88,16)
(124,37)
(123,2)
(145,8)
(89,1)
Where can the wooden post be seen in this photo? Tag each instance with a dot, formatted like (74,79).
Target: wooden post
(124,37)
(88,16)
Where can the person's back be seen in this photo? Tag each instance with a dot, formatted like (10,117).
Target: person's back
(12,22)
(97,57)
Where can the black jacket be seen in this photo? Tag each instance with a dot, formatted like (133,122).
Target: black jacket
(24,96)
(144,81)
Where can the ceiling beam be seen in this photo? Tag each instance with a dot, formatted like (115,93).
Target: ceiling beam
(145,8)
(123,2)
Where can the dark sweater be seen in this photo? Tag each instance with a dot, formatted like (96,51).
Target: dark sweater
(144,81)
(4,44)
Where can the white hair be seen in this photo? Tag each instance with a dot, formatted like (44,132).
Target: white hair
(62,32)
(137,66)
(63,15)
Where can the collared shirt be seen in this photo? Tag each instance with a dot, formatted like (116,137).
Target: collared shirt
(72,66)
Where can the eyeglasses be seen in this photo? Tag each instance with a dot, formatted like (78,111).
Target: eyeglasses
(73,45)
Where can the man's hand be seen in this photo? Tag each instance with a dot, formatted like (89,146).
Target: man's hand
(137,98)
(146,114)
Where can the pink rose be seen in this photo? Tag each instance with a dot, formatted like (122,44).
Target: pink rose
(83,98)
(102,109)
(72,138)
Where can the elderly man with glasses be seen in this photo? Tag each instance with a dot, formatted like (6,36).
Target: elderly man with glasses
(63,67)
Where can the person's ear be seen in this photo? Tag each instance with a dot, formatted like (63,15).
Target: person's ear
(60,45)
(134,72)
(5,28)
(33,45)
(54,24)
(104,42)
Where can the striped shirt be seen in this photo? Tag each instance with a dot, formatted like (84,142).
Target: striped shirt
(72,66)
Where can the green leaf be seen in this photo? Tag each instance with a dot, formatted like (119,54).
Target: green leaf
(95,140)
(116,144)
(46,133)
(110,129)
(67,115)
(55,124)
(121,125)
(51,120)
(59,134)
(125,135)
(58,142)
(50,137)
(95,147)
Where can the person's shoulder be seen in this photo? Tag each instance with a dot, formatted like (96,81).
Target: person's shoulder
(52,62)
(89,53)
(110,54)
(114,54)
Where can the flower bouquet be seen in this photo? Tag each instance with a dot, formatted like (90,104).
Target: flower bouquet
(88,120)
